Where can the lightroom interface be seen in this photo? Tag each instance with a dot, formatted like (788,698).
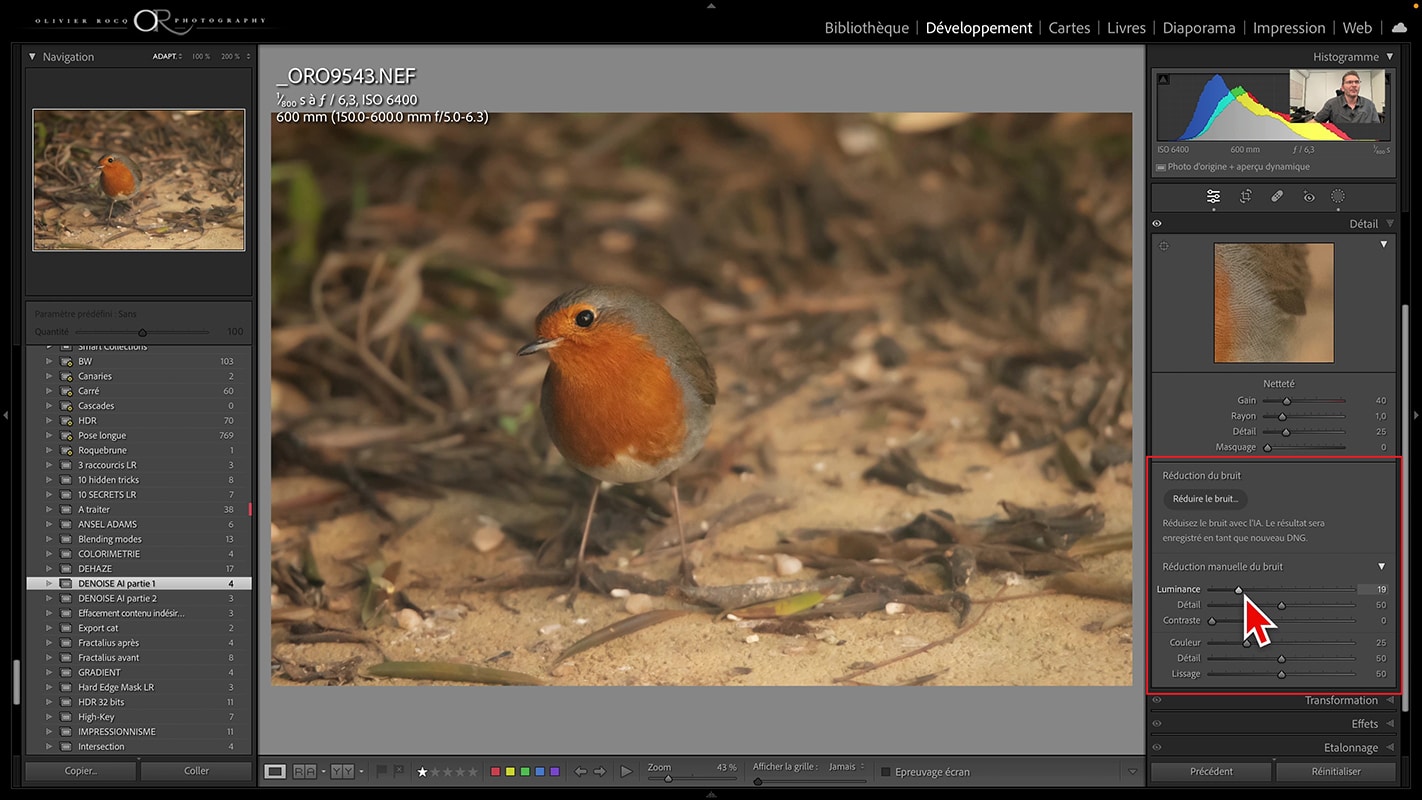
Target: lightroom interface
(719,400)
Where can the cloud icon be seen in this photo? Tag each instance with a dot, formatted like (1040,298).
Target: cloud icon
(1399,28)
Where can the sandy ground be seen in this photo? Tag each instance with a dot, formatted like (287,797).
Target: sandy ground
(147,224)
(1316,333)
(1052,639)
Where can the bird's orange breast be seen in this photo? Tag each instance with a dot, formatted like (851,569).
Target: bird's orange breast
(117,180)
(609,397)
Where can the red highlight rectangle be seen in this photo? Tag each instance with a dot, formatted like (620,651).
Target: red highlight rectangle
(1402,604)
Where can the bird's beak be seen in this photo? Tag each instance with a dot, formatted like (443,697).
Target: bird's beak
(538,345)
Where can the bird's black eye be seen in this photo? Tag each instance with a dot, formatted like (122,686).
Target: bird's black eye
(584,318)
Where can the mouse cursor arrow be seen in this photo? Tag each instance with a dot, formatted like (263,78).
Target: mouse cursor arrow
(1256,623)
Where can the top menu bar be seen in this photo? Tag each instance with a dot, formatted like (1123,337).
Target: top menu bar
(707,21)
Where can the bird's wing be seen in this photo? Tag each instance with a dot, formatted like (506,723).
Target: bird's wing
(702,374)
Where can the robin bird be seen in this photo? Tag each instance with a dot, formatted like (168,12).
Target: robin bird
(628,393)
(1260,292)
(119,178)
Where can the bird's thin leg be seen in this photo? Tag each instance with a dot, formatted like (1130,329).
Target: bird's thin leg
(687,573)
(582,548)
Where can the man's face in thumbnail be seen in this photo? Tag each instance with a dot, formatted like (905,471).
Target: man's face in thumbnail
(1351,84)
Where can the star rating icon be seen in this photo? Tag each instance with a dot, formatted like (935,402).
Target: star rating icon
(447,772)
